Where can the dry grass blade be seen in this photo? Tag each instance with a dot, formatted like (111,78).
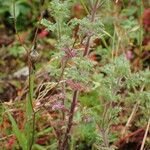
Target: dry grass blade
(145,135)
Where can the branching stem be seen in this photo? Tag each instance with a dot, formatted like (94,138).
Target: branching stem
(75,93)
(93,13)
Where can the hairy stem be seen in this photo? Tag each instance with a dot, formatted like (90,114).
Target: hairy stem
(70,120)
(105,137)
(75,94)
(93,13)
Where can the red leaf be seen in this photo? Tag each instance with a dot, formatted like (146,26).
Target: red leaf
(43,34)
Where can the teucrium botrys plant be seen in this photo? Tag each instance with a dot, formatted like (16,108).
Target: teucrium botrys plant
(78,71)
(71,67)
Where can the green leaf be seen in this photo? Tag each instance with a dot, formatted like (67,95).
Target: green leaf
(129,11)
(16,50)
(20,135)
(16,9)
(48,25)
(43,132)
(38,147)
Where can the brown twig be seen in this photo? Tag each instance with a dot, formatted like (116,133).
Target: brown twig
(130,119)
(122,140)
(6,137)
(132,115)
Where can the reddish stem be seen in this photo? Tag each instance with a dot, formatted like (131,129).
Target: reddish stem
(75,94)
(86,51)
(70,120)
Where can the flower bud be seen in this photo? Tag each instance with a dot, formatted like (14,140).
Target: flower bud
(34,55)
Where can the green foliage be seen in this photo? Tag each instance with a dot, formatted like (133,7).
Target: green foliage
(134,80)
(22,8)
(23,11)
(119,67)
(90,99)
(60,10)
(108,86)
(20,136)
(16,50)
(94,28)
(81,70)
(129,11)
(85,133)
(106,82)
(111,83)
(49,26)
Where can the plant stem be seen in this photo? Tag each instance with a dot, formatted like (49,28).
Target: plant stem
(86,51)
(30,66)
(31,82)
(75,94)
(31,76)
(141,32)
(15,26)
(33,131)
(70,120)
(105,137)
(31,87)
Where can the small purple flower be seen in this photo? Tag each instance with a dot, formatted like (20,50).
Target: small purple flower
(57,106)
(129,55)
